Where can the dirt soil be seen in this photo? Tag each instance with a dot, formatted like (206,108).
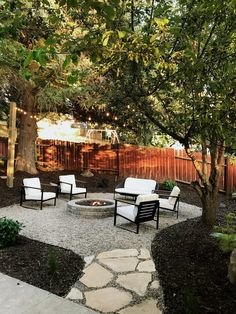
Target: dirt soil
(191,267)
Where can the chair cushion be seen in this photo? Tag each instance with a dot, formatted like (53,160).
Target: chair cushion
(175,192)
(136,184)
(34,183)
(128,211)
(70,178)
(146,198)
(78,190)
(164,203)
(37,196)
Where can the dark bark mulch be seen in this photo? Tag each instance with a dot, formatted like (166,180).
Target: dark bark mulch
(30,260)
(192,269)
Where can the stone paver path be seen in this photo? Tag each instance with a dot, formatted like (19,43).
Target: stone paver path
(119,281)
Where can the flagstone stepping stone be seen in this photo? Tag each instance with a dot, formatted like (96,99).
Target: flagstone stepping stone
(155,284)
(136,282)
(148,266)
(144,254)
(118,253)
(122,264)
(88,260)
(75,294)
(107,299)
(147,307)
(96,276)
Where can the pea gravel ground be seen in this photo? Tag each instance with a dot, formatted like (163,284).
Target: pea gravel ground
(55,225)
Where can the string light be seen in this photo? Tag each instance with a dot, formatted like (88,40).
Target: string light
(25,113)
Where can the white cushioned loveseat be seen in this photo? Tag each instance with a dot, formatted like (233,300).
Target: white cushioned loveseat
(135,186)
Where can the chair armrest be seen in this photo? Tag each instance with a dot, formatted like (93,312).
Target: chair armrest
(31,187)
(124,201)
(65,183)
(83,182)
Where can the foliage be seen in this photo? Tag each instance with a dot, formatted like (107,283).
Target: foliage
(227,234)
(169,184)
(9,229)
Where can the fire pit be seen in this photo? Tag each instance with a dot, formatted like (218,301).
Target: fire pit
(91,208)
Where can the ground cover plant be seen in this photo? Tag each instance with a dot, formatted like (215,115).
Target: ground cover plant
(191,267)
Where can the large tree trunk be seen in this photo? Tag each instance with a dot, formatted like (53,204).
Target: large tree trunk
(25,160)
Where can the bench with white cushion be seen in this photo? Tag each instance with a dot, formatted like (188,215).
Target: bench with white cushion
(136,186)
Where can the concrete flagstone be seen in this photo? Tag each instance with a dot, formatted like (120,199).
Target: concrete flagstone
(88,260)
(147,266)
(107,299)
(118,253)
(96,276)
(144,254)
(155,285)
(122,264)
(136,282)
(75,294)
(126,287)
(146,307)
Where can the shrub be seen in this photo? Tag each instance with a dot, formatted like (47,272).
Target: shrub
(53,264)
(226,234)
(9,229)
(169,184)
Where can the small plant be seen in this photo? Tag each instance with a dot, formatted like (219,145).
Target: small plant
(53,264)
(9,229)
(227,234)
(169,184)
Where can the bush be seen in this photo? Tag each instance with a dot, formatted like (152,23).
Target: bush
(226,234)
(9,229)
(169,184)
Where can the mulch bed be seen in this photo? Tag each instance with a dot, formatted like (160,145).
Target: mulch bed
(45,266)
(191,268)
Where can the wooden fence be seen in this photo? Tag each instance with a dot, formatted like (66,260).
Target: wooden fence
(125,160)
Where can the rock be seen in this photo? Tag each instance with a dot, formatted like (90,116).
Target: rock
(232,268)
(87,173)
(234,195)
(222,205)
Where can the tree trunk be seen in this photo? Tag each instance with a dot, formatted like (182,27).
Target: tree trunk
(207,187)
(209,206)
(25,160)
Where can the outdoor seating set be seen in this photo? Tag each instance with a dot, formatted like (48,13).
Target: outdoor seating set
(32,190)
(142,197)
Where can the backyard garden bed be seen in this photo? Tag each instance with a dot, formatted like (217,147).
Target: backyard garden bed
(192,269)
(42,265)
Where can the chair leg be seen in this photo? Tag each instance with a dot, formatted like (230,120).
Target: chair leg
(55,201)
(115,219)
(158,218)
(41,205)
(21,198)
(137,231)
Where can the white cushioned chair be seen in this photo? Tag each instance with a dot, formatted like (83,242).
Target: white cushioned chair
(170,201)
(67,185)
(135,186)
(145,208)
(31,190)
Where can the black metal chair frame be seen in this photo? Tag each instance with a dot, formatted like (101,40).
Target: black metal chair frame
(71,188)
(147,211)
(22,196)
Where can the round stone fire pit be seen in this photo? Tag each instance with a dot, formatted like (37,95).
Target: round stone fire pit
(91,207)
